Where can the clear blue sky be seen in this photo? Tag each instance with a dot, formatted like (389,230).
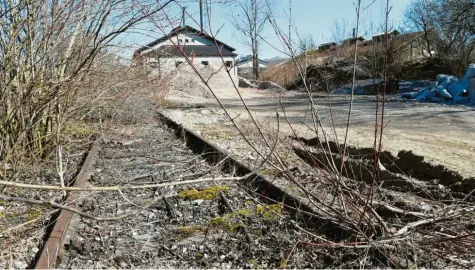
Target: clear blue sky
(311,17)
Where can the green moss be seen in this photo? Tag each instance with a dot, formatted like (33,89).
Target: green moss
(33,214)
(205,194)
(226,222)
(243,212)
(248,202)
(222,222)
(269,212)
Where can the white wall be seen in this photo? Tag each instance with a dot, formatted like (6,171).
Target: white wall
(164,66)
(167,65)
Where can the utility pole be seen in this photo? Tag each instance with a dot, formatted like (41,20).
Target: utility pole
(290,24)
(202,3)
(183,14)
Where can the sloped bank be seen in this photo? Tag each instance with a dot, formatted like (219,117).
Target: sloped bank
(261,85)
(405,164)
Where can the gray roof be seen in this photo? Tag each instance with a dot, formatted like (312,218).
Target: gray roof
(182,29)
(196,50)
(327,44)
(249,58)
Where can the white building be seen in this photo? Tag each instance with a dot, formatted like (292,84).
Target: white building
(244,66)
(171,50)
(246,62)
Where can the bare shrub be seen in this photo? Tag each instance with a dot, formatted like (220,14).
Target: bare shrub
(448,30)
(47,51)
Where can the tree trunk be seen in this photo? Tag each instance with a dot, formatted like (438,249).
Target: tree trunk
(255,44)
(255,60)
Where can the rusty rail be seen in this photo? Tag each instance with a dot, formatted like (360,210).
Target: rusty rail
(51,248)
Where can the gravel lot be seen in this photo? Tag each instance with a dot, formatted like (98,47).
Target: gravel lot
(443,134)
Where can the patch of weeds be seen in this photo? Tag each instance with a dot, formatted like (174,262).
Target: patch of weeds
(252,262)
(269,212)
(205,194)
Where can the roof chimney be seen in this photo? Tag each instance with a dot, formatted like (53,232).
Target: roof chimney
(202,14)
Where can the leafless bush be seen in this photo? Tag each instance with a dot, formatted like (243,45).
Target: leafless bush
(448,30)
(47,52)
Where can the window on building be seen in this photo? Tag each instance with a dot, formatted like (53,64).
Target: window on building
(180,40)
(205,63)
(177,63)
(229,63)
(192,40)
(187,40)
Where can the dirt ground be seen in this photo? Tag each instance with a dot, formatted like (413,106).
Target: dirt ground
(443,134)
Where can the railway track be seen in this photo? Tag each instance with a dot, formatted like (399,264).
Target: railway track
(185,203)
(221,222)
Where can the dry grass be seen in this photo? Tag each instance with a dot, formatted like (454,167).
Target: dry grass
(370,57)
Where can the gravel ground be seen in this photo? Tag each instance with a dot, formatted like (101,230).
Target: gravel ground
(224,225)
(208,225)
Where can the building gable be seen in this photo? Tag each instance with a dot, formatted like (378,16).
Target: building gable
(184,36)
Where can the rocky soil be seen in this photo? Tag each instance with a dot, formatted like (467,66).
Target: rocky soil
(216,224)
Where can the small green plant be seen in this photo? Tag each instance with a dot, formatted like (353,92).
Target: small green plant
(269,212)
(283,263)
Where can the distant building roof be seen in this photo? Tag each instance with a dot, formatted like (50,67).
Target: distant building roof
(182,29)
(328,44)
(394,31)
(248,58)
(352,39)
